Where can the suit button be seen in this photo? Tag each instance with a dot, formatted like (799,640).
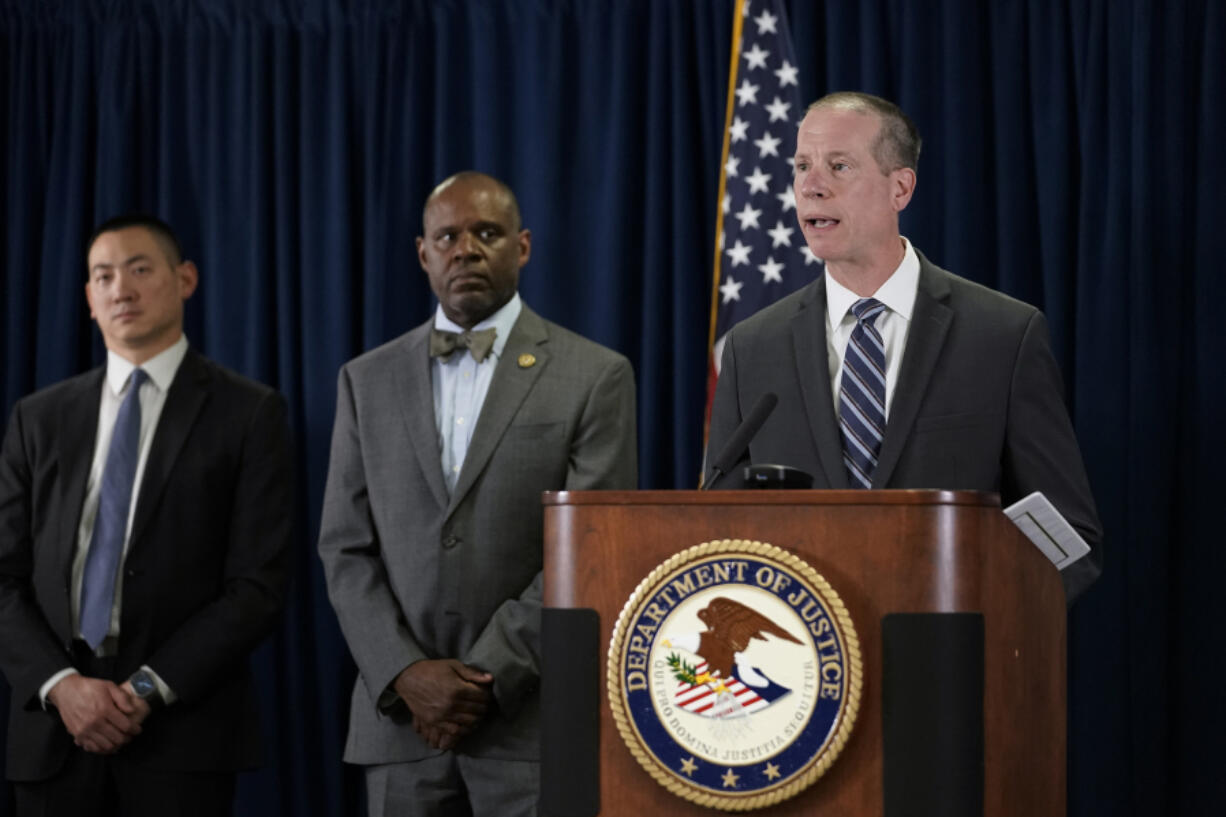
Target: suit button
(451,541)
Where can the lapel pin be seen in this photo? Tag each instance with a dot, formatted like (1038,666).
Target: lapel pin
(527,361)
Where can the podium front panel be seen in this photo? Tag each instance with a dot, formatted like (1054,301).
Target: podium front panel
(884,553)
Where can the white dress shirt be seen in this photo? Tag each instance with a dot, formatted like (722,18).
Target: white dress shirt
(898,295)
(161,370)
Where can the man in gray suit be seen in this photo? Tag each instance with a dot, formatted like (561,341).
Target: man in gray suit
(431,536)
(890,371)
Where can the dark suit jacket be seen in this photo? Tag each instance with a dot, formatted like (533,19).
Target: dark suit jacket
(204,576)
(414,573)
(978,404)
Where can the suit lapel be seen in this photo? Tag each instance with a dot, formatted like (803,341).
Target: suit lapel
(188,392)
(76,436)
(809,341)
(508,388)
(929,326)
(414,395)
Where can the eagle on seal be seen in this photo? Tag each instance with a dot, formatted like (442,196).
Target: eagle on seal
(730,627)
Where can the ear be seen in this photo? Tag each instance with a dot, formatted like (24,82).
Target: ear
(902,187)
(188,276)
(421,253)
(89,299)
(525,247)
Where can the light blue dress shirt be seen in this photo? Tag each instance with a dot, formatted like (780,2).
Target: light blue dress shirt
(460,385)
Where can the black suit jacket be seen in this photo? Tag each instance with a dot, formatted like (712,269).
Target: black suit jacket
(204,576)
(978,404)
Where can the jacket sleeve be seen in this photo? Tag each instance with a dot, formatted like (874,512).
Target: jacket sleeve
(349,546)
(1041,451)
(210,642)
(30,652)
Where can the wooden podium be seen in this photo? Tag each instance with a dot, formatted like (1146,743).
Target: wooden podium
(976,730)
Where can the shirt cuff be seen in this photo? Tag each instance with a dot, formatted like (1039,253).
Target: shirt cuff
(388,701)
(168,695)
(45,689)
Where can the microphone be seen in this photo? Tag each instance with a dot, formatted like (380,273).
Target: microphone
(739,441)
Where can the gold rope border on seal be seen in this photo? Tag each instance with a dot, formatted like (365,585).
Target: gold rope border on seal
(847,715)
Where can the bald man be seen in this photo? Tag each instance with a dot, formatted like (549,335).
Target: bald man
(431,535)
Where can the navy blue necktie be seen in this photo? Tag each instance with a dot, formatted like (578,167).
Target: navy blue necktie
(862,395)
(111,523)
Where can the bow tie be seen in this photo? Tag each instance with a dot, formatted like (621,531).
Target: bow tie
(443,344)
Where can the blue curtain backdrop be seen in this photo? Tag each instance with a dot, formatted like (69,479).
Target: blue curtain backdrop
(1073,157)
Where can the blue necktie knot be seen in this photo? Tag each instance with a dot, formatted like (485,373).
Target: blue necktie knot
(866,310)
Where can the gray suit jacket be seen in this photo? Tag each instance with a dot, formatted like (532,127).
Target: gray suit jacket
(978,405)
(414,573)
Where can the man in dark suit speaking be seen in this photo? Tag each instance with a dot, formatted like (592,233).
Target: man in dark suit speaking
(145,521)
(891,372)
(431,535)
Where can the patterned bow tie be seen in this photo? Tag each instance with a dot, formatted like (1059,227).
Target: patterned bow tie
(443,344)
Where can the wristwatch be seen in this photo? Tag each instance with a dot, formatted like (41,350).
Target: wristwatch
(146,689)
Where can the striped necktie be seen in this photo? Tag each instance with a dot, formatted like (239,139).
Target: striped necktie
(862,395)
(111,523)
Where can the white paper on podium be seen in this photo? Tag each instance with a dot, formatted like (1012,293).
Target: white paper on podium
(1042,524)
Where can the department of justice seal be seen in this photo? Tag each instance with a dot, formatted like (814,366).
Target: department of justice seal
(734,674)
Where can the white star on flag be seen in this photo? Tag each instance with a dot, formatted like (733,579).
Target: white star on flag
(739,129)
(740,253)
(778,109)
(771,271)
(786,74)
(748,217)
(767,146)
(756,57)
(781,236)
(747,94)
(758,181)
(731,290)
(766,23)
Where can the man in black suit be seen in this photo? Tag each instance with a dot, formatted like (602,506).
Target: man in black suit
(127,614)
(969,397)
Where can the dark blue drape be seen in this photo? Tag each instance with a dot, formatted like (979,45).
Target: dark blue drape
(1072,158)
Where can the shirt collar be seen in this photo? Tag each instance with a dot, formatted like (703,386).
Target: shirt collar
(503,321)
(161,367)
(897,293)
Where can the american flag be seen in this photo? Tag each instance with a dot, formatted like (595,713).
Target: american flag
(761,255)
(704,699)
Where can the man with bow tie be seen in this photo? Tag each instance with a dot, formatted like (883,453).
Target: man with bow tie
(431,534)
